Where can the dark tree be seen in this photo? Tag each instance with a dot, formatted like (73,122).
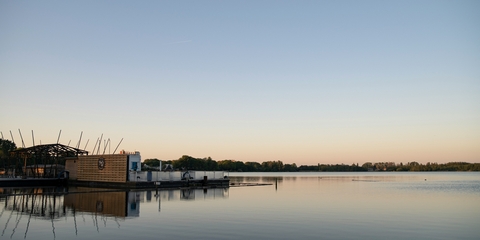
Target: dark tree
(5,147)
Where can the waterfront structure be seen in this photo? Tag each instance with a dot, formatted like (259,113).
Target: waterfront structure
(39,161)
(57,164)
(113,168)
(123,170)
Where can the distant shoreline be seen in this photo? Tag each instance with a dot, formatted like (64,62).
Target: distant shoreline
(208,164)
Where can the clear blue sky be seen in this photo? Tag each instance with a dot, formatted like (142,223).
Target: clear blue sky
(298,81)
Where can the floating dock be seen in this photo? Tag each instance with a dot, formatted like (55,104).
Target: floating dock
(166,184)
(214,183)
(31,182)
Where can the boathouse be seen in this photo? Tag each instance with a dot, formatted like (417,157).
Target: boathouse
(111,168)
(124,170)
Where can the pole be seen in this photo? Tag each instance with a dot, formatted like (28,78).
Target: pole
(95,147)
(12,136)
(58,139)
(99,143)
(117,146)
(105,145)
(86,144)
(78,144)
(25,167)
(21,137)
(33,139)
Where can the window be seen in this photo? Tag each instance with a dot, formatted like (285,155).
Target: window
(134,166)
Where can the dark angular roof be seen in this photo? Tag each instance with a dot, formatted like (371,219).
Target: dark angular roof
(57,149)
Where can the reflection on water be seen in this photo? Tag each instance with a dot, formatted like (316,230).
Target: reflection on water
(366,205)
(291,206)
(21,206)
(237,177)
(277,179)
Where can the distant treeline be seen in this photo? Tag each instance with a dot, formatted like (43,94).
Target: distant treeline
(207,164)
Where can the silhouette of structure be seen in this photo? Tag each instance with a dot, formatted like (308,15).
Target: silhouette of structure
(41,161)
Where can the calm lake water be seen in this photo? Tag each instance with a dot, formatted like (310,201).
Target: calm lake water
(295,206)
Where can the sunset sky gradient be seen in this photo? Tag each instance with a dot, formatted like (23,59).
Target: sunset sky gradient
(303,82)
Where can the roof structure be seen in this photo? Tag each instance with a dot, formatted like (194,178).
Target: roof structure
(53,150)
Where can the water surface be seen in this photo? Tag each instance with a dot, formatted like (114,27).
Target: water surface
(295,206)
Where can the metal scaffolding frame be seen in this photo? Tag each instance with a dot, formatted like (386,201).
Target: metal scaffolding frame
(49,157)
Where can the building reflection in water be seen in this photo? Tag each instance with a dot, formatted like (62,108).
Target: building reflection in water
(52,204)
(38,204)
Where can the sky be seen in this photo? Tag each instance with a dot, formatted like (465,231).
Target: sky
(302,82)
